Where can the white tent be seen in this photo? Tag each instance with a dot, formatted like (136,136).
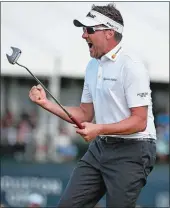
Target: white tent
(44,31)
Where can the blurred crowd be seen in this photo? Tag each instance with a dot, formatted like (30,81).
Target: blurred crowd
(20,138)
(17,132)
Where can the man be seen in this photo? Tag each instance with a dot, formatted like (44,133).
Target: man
(117,94)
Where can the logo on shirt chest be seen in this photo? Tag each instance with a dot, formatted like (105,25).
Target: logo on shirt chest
(109,79)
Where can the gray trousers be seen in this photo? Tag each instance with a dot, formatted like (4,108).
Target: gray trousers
(120,170)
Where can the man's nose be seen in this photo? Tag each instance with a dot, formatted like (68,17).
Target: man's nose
(85,35)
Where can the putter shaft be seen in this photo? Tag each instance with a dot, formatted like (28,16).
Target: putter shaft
(68,114)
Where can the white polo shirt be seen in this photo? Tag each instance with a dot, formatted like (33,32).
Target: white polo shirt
(116,83)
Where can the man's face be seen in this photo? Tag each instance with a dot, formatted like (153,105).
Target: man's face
(97,42)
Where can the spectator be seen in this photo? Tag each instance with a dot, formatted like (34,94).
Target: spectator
(8,129)
(25,136)
(24,129)
(65,147)
(162,127)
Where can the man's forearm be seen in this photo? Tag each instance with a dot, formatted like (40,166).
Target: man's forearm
(56,110)
(130,125)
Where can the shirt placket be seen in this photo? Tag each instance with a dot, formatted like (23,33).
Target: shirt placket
(99,77)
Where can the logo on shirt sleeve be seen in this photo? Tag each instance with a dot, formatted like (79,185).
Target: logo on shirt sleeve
(143,94)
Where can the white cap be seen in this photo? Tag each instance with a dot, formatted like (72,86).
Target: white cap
(94,18)
(35,198)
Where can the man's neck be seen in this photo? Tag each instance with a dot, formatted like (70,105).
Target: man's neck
(111,47)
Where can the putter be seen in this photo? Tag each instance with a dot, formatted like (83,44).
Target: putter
(13,60)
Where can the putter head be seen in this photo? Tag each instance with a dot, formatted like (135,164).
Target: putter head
(15,55)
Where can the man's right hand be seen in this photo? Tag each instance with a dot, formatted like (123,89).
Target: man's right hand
(38,95)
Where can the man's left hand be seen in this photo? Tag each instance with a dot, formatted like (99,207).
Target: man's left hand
(90,131)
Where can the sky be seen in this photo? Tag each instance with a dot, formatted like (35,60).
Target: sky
(45,33)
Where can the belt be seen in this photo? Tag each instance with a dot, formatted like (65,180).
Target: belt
(109,139)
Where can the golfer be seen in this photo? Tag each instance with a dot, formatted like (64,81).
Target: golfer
(117,96)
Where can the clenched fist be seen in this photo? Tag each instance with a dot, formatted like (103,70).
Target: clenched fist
(38,95)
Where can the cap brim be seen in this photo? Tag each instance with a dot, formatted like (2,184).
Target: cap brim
(87,22)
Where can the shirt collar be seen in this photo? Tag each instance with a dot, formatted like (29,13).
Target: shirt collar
(113,54)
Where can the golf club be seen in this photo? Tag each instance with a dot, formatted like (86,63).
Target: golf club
(13,60)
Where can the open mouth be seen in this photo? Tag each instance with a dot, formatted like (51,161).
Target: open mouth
(90,45)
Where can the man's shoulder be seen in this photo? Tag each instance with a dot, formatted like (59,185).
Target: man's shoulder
(92,65)
(131,57)
(133,63)
(93,62)
(132,60)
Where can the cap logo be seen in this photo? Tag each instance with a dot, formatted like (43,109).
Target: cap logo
(91,15)
(108,23)
(102,19)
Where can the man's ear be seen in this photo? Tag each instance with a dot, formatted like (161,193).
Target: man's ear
(109,34)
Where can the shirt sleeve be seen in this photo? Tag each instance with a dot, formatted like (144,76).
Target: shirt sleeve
(137,85)
(86,95)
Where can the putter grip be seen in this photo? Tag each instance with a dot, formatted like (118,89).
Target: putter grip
(76,122)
